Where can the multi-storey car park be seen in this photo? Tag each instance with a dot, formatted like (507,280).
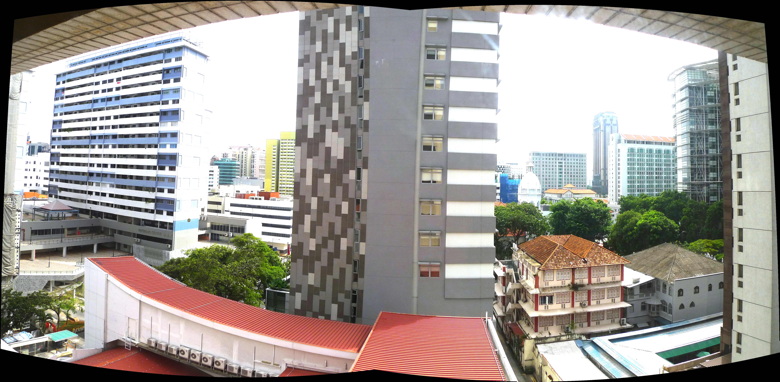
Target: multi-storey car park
(127,127)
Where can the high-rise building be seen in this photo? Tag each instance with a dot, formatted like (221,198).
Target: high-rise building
(697,127)
(556,170)
(750,257)
(229,170)
(247,156)
(640,164)
(127,139)
(604,125)
(280,163)
(395,182)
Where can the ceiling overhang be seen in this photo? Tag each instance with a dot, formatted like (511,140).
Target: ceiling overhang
(45,39)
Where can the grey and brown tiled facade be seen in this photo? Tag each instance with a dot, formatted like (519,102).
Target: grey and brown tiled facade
(357,214)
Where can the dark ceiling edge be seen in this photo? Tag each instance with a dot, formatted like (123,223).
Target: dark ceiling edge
(28,26)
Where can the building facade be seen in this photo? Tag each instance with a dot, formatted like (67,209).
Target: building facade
(247,157)
(751,246)
(697,127)
(280,163)
(229,170)
(126,143)
(557,286)
(604,125)
(395,183)
(640,164)
(556,170)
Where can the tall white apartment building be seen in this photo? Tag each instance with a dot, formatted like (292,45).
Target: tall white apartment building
(640,164)
(127,143)
(34,174)
(555,170)
(247,157)
(752,243)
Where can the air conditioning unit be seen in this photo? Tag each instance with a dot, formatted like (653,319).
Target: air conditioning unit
(195,356)
(152,342)
(207,360)
(184,352)
(583,303)
(220,363)
(566,329)
(173,349)
(622,321)
(247,372)
(232,368)
(261,374)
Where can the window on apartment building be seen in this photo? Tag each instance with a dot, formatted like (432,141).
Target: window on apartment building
(433,82)
(430,268)
(545,321)
(430,238)
(430,207)
(546,300)
(436,53)
(680,292)
(432,143)
(737,124)
(739,160)
(598,294)
(613,292)
(563,274)
(739,235)
(720,285)
(433,25)
(433,113)
(597,272)
(581,273)
(696,290)
(431,175)
(682,306)
(736,88)
(644,306)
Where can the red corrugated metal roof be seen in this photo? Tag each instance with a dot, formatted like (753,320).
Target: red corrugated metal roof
(432,346)
(305,330)
(140,361)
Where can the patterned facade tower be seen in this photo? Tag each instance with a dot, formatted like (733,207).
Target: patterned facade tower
(394,202)
(604,125)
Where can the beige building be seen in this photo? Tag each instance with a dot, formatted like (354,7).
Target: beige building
(569,192)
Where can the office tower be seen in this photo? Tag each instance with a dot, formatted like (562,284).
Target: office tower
(556,170)
(640,164)
(604,125)
(750,203)
(697,126)
(280,163)
(247,156)
(126,143)
(395,182)
(229,169)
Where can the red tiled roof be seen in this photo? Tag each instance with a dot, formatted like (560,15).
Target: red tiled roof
(569,251)
(140,361)
(304,330)
(296,372)
(649,138)
(432,346)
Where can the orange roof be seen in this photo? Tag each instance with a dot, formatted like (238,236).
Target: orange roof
(140,361)
(304,330)
(431,346)
(569,251)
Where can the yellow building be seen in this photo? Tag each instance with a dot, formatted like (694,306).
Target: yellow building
(280,163)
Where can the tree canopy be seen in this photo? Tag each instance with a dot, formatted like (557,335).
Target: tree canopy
(240,272)
(515,222)
(21,311)
(587,218)
(634,232)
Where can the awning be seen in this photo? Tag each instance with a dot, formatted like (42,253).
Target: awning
(61,335)
(696,347)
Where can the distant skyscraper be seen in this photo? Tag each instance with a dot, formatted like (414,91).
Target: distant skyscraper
(394,201)
(229,169)
(127,141)
(640,164)
(247,156)
(556,170)
(604,125)
(697,126)
(280,163)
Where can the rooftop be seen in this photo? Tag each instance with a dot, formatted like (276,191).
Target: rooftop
(569,251)
(671,262)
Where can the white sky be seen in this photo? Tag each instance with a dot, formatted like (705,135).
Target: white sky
(556,75)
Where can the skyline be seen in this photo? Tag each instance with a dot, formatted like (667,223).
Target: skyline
(566,65)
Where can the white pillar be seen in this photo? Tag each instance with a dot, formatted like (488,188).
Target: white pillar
(32,255)
(94,248)
(64,251)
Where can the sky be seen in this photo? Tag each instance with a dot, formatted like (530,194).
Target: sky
(556,74)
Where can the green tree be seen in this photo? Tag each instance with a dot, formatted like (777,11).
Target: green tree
(633,232)
(671,203)
(240,273)
(713,222)
(692,222)
(22,312)
(64,304)
(640,203)
(587,218)
(515,221)
(710,248)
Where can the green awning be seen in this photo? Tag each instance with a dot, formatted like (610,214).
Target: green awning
(689,348)
(61,335)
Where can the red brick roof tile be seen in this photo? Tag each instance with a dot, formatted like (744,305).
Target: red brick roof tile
(152,284)
(569,251)
(432,346)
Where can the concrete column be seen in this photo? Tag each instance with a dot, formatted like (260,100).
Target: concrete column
(32,255)
(64,251)
(94,248)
